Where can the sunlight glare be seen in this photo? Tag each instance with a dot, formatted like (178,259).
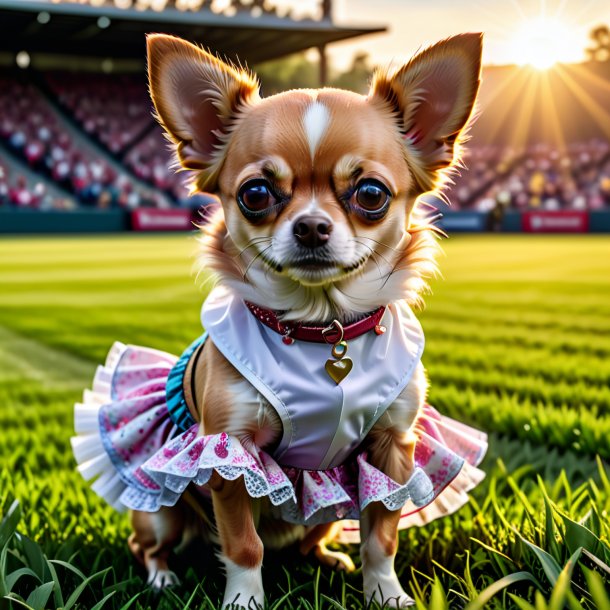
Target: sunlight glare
(541,43)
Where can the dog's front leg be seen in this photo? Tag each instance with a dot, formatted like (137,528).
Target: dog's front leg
(242,549)
(392,453)
(391,448)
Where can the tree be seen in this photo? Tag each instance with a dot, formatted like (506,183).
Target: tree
(601,41)
(297,71)
(357,78)
(292,72)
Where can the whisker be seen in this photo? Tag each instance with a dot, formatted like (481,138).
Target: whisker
(372,255)
(261,253)
(379,242)
(357,240)
(252,243)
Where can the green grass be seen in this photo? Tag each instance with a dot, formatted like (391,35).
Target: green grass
(518,343)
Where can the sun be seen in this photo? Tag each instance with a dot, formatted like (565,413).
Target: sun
(540,43)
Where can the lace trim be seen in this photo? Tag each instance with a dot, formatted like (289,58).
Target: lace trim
(301,496)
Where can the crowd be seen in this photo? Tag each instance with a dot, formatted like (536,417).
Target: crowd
(542,177)
(151,161)
(18,191)
(115,111)
(31,129)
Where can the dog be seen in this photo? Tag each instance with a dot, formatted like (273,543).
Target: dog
(304,404)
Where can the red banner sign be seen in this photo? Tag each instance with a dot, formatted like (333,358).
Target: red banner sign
(151,219)
(564,221)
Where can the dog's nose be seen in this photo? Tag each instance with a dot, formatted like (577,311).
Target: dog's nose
(312,231)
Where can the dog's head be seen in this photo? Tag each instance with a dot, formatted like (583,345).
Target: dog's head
(318,187)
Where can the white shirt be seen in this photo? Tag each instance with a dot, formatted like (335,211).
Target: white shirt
(323,421)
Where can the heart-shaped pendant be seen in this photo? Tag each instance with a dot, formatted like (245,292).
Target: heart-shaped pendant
(338,370)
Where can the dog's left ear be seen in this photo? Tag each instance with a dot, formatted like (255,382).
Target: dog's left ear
(433,96)
(198,99)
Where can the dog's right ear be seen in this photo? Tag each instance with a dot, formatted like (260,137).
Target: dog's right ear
(197,99)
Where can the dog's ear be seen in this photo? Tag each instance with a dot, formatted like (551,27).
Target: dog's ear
(433,96)
(197,99)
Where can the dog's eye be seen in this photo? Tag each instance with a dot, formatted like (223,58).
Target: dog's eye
(372,198)
(256,196)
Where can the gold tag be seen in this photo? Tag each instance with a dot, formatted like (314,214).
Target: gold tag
(338,370)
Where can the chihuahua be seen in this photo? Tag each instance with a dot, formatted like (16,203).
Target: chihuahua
(319,247)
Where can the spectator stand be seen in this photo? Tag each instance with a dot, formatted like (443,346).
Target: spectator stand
(23,189)
(36,129)
(115,111)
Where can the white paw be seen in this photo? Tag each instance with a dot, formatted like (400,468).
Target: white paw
(243,604)
(390,599)
(161,579)
(244,588)
(381,585)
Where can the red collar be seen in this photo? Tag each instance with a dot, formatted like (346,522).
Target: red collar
(292,331)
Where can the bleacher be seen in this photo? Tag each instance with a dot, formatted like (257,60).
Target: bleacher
(70,128)
(113,113)
(79,138)
(535,177)
(37,130)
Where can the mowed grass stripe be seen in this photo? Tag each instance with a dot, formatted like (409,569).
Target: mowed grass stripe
(563,426)
(525,317)
(531,388)
(115,249)
(23,357)
(570,343)
(127,292)
(67,277)
(533,362)
(525,259)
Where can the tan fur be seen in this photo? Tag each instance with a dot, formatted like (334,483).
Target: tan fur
(154,537)
(317,540)
(405,134)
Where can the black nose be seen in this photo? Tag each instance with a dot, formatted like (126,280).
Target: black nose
(312,231)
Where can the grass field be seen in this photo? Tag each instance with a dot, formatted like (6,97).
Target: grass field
(518,344)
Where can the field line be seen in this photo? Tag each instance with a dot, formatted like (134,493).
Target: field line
(25,357)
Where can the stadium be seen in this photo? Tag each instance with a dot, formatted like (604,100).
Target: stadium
(97,243)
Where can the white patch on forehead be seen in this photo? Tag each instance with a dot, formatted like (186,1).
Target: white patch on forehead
(313,206)
(315,122)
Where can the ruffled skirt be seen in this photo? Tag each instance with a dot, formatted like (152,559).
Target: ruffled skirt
(141,460)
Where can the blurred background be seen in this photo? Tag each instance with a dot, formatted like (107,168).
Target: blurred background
(77,134)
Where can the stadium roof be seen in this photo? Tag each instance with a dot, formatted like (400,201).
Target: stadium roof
(107,31)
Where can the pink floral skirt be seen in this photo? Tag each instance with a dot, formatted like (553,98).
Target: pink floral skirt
(141,460)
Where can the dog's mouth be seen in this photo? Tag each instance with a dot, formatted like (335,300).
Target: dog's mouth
(314,268)
(308,266)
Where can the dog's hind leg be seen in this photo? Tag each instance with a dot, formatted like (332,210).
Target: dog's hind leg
(154,537)
(317,539)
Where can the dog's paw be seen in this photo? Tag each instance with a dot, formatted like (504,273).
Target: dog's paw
(162,579)
(244,588)
(334,559)
(243,604)
(388,603)
(382,588)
